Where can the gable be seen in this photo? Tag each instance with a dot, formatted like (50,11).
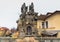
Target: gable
(52,14)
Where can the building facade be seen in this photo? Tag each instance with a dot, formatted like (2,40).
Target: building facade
(50,24)
(27,23)
(30,24)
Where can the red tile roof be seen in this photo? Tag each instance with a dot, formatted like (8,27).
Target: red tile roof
(4,28)
(42,17)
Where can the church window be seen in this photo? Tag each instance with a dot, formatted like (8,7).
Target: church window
(29,30)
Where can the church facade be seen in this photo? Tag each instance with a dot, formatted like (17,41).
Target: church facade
(27,22)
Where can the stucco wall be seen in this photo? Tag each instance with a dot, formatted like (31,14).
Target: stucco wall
(39,26)
(54,21)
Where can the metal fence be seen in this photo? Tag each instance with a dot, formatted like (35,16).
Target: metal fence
(8,39)
(51,39)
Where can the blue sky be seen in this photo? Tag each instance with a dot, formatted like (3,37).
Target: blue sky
(10,9)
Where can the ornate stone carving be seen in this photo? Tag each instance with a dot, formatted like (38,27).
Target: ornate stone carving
(28,21)
(24,8)
(31,8)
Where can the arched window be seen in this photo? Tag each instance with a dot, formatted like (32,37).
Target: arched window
(29,30)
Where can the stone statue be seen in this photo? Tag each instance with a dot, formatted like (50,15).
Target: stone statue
(24,8)
(31,8)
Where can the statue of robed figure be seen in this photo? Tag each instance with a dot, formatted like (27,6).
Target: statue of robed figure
(24,8)
(31,8)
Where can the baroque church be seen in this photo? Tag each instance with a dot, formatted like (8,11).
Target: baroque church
(27,22)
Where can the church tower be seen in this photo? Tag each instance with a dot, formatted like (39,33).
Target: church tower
(27,22)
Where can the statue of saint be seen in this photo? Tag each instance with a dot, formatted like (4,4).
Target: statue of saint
(24,8)
(31,8)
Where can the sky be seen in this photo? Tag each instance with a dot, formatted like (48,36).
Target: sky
(11,9)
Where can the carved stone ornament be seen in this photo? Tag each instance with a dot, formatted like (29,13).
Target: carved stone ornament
(31,8)
(24,8)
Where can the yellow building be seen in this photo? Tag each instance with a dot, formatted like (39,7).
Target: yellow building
(50,24)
